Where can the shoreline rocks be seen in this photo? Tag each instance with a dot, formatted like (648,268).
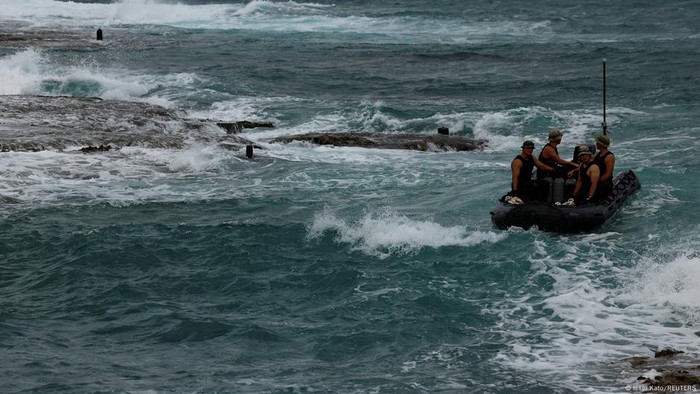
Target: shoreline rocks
(92,149)
(419,142)
(237,127)
(669,370)
(9,200)
(37,123)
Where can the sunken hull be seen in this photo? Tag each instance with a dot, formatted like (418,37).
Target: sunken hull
(567,219)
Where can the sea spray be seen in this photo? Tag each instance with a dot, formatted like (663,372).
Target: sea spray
(384,233)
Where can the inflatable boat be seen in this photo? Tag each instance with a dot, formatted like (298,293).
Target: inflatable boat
(550,216)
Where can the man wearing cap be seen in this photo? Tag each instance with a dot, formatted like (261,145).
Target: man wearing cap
(606,163)
(521,167)
(586,189)
(550,156)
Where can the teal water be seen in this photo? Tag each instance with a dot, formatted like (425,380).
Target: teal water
(319,269)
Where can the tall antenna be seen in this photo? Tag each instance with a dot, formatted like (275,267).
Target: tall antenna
(604,125)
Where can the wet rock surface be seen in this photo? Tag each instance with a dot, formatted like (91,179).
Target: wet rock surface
(92,149)
(22,35)
(31,123)
(9,200)
(93,125)
(237,127)
(79,38)
(669,370)
(36,123)
(434,142)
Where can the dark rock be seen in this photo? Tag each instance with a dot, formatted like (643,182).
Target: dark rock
(675,378)
(237,127)
(420,142)
(21,147)
(677,372)
(230,127)
(230,146)
(34,123)
(331,139)
(251,125)
(38,37)
(236,143)
(668,352)
(9,200)
(637,362)
(91,149)
(37,123)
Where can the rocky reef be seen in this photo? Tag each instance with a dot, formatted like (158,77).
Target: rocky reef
(36,123)
(669,370)
(420,142)
(237,127)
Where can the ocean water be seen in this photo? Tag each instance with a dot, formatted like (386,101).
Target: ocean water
(191,269)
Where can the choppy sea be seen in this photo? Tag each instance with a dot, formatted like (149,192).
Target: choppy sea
(188,268)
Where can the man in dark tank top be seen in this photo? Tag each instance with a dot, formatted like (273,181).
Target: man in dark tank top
(605,160)
(586,189)
(522,185)
(550,156)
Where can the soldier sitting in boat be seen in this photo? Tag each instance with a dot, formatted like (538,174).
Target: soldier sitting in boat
(523,187)
(550,156)
(605,160)
(586,190)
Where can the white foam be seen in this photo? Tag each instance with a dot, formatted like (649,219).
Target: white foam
(196,158)
(387,233)
(285,8)
(21,73)
(308,152)
(671,285)
(286,16)
(51,13)
(506,130)
(148,11)
(584,323)
(33,72)
(129,175)
(660,197)
(241,108)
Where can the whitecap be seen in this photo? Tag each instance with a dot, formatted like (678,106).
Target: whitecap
(385,233)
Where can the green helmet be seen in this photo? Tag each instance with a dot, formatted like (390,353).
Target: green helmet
(528,144)
(555,135)
(603,140)
(583,150)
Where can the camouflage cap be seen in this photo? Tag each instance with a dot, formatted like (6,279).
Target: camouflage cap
(583,150)
(555,135)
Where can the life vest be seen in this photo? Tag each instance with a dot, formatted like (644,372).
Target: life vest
(600,161)
(550,162)
(525,176)
(586,180)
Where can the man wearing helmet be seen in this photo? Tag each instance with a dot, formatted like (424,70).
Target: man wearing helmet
(550,156)
(521,167)
(586,189)
(605,160)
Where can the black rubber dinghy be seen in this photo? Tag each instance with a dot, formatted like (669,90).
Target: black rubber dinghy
(567,219)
